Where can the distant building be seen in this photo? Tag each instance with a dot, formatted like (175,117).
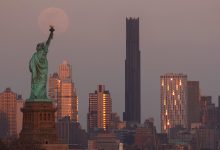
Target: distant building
(193,104)
(116,123)
(19,114)
(146,136)
(100,109)
(65,71)
(67,101)
(63,92)
(209,113)
(71,133)
(132,114)
(53,86)
(173,101)
(106,141)
(8,113)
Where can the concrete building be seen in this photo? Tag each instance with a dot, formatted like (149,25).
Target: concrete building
(173,101)
(8,112)
(100,109)
(132,114)
(193,104)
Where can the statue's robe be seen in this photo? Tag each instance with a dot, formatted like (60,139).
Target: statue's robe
(38,67)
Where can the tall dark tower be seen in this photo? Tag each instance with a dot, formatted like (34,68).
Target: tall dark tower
(132,73)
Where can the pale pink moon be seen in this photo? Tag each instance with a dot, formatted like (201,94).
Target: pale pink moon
(55,17)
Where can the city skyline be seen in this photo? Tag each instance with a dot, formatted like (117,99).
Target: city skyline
(171,40)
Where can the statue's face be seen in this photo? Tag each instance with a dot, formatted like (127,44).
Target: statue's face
(40,49)
(40,46)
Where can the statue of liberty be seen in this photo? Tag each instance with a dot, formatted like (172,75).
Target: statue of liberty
(38,66)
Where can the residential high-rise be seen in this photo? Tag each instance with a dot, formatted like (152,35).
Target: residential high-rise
(132,73)
(173,101)
(100,109)
(8,107)
(63,92)
(193,102)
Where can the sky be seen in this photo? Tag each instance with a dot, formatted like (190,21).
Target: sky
(179,36)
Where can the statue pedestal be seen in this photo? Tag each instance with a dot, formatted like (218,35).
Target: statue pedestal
(39,122)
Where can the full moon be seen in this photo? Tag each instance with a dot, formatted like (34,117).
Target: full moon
(55,17)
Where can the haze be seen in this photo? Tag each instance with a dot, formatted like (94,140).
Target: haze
(175,36)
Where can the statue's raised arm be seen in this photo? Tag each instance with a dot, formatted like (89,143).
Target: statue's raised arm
(50,36)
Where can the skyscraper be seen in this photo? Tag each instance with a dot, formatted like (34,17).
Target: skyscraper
(173,101)
(132,73)
(8,107)
(53,86)
(65,71)
(100,109)
(67,101)
(63,92)
(193,102)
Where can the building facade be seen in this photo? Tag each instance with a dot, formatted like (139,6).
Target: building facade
(193,104)
(63,92)
(8,109)
(132,73)
(173,100)
(65,71)
(19,114)
(100,109)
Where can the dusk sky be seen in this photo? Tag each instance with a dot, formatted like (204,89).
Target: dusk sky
(180,36)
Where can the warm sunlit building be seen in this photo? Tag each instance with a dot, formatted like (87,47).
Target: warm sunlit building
(173,101)
(53,86)
(65,71)
(67,101)
(63,92)
(100,109)
(8,108)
